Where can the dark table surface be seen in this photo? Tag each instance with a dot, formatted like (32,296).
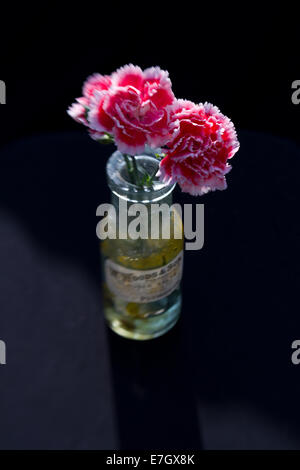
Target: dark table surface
(221,379)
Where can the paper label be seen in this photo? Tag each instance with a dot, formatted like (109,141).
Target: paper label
(143,286)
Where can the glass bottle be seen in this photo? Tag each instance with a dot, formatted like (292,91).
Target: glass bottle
(141,276)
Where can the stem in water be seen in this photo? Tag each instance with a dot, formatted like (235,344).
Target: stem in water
(135,171)
(129,169)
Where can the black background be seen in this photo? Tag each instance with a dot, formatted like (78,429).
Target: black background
(223,377)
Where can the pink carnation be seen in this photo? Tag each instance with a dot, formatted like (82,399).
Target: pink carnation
(203,141)
(135,108)
(78,110)
(95,82)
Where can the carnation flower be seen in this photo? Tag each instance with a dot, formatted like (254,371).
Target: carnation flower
(135,108)
(95,82)
(78,110)
(131,105)
(197,154)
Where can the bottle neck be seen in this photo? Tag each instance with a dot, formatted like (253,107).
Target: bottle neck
(121,188)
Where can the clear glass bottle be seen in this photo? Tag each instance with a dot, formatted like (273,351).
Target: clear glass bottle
(141,277)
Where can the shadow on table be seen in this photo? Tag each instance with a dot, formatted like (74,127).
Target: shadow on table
(154,392)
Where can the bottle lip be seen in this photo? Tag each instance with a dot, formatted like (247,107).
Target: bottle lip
(116,168)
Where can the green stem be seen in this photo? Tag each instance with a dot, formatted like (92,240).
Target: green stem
(135,171)
(129,169)
(150,182)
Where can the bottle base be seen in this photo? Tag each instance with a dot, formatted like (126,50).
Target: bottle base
(143,329)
